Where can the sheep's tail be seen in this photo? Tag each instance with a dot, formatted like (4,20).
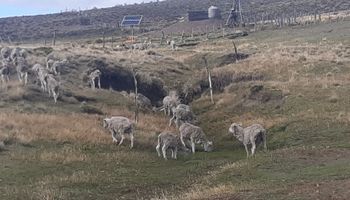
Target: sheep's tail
(265,139)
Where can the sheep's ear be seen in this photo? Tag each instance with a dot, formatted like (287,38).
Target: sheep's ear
(210,143)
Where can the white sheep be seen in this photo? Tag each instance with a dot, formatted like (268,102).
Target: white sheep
(121,126)
(181,114)
(194,135)
(5,71)
(52,86)
(253,135)
(170,102)
(22,69)
(41,73)
(96,74)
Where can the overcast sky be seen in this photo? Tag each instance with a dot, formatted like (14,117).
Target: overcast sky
(34,7)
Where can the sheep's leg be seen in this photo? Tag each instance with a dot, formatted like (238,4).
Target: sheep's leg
(177,123)
(171,120)
(246,149)
(193,145)
(122,140)
(253,148)
(55,95)
(99,83)
(25,78)
(113,136)
(158,150)
(175,153)
(8,78)
(19,75)
(93,83)
(131,140)
(182,140)
(172,153)
(164,152)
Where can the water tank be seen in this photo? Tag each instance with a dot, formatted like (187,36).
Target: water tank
(214,13)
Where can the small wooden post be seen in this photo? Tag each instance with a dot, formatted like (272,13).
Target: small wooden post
(210,81)
(136,94)
(103,39)
(182,36)
(132,34)
(236,51)
(54,38)
(163,38)
(192,33)
(112,41)
(10,41)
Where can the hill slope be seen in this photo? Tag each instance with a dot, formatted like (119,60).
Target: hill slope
(91,22)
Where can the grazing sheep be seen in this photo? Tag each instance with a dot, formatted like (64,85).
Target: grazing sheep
(5,71)
(167,141)
(142,100)
(56,66)
(22,69)
(170,102)
(96,74)
(181,114)
(52,86)
(253,135)
(121,126)
(194,135)
(41,73)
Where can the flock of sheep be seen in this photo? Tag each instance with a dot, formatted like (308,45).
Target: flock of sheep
(119,126)
(190,134)
(48,76)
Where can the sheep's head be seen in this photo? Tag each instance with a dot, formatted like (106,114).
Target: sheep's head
(208,146)
(105,123)
(234,128)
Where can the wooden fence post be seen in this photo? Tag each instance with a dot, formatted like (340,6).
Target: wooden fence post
(209,79)
(136,117)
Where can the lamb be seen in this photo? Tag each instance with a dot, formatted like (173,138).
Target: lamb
(195,135)
(181,114)
(253,135)
(5,71)
(96,74)
(22,69)
(122,126)
(170,102)
(167,140)
(52,86)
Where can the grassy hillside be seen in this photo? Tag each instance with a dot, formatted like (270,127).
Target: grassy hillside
(91,22)
(295,82)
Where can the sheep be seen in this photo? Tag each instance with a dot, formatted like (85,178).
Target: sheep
(96,74)
(5,53)
(253,135)
(195,135)
(41,73)
(5,71)
(167,141)
(122,126)
(16,52)
(55,66)
(52,86)
(172,44)
(170,102)
(181,114)
(142,100)
(22,69)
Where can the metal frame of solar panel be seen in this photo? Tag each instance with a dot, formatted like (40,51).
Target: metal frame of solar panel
(131,20)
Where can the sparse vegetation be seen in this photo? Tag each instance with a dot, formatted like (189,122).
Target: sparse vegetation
(296,85)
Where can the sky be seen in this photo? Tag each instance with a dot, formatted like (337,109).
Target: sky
(34,7)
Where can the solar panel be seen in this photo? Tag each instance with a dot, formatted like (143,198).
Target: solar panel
(131,20)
